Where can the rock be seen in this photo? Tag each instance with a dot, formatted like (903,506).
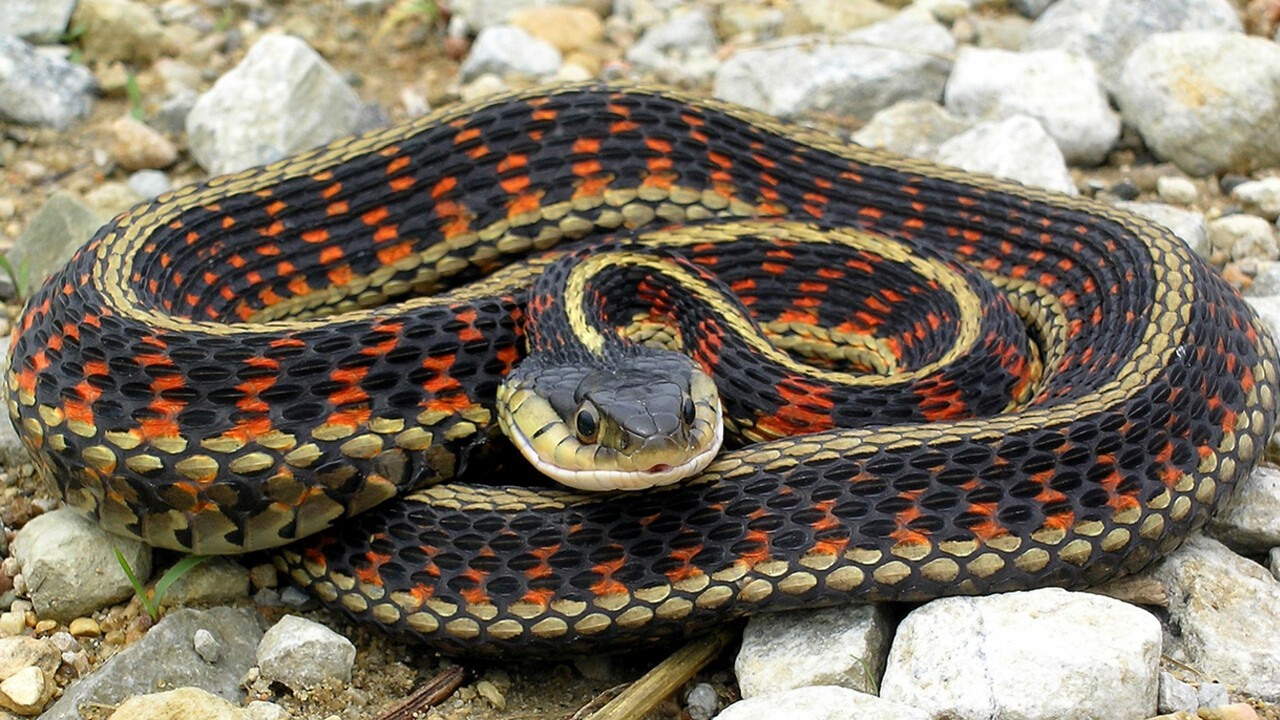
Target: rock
(841,646)
(802,17)
(300,654)
(281,99)
(166,657)
(1176,696)
(994,656)
(1224,613)
(1031,8)
(506,50)
(1107,31)
(84,627)
(110,198)
(121,30)
(1208,101)
(747,22)
(1212,695)
(147,184)
(1234,711)
(480,14)
(820,702)
(1261,197)
(915,128)
(1176,190)
(1265,278)
(1268,309)
(62,224)
(138,147)
(854,75)
(185,702)
(565,28)
(215,581)
(37,21)
(27,668)
(1017,148)
(702,702)
(206,646)
(26,691)
(1058,89)
(69,565)
(1186,224)
(1243,237)
(36,89)
(262,710)
(1001,32)
(1273,562)
(1250,522)
(491,694)
(682,49)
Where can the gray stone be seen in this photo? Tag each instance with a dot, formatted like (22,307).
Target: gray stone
(1266,278)
(1032,8)
(855,75)
(508,50)
(206,646)
(680,50)
(69,565)
(1212,695)
(1208,101)
(1176,190)
(1058,89)
(820,702)
(1176,696)
(1273,562)
(55,232)
(1250,522)
(166,657)
(1224,616)
(995,656)
(37,21)
(281,99)
(1017,148)
(36,89)
(149,183)
(1243,237)
(702,702)
(915,128)
(1268,309)
(1186,224)
(215,581)
(1260,197)
(300,653)
(843,646)
(1107,31)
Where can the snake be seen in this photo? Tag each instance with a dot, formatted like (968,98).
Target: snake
(308,356)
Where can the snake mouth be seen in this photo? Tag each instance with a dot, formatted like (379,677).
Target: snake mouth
(659,468)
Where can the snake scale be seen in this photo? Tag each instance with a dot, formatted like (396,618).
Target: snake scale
(242,363)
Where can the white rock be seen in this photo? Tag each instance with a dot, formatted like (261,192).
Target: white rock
(26,691)
(682,49)
(1243,237)
(843,646)
(1176,696)
(1174,189)
(36,89)
(299,654)
(1208,101)
(1060,90)
(1107,31)
(70,567)
(39,21)
(1186,224)
(186,702)
(508,50)
(1226,610)
(1017,148)
(1261,197)
(149,183)
(263,710)
(1273,562)
(1250,522)
(1268,309)
(1212,695)
(856,75)
(281,99)
(821,702)
(915,128)
(997,656)
(1266,278)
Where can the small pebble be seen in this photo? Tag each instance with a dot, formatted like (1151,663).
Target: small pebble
(490,693)
(26,691)
(1212,695)
(1176,190)
(702,701)
(1273,562)
(85,627)
(266,597)
(64,642)
(13,623)
(1125,190)
(207,646)
(295,599)
(149,183)
(263,576)
(1230,181)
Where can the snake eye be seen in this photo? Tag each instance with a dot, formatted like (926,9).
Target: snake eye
(687,410)
(587,422)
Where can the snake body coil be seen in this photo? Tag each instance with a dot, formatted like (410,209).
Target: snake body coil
(218,370)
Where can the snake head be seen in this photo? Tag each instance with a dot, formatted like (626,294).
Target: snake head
(649,418)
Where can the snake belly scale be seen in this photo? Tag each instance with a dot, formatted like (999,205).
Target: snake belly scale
(243,363)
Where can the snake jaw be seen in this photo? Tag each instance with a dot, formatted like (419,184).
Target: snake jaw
(625,458)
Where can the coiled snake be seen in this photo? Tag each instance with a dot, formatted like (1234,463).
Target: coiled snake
(242,363)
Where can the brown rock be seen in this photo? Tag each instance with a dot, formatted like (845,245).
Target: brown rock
(118,30)
(566,28)
(138,147)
